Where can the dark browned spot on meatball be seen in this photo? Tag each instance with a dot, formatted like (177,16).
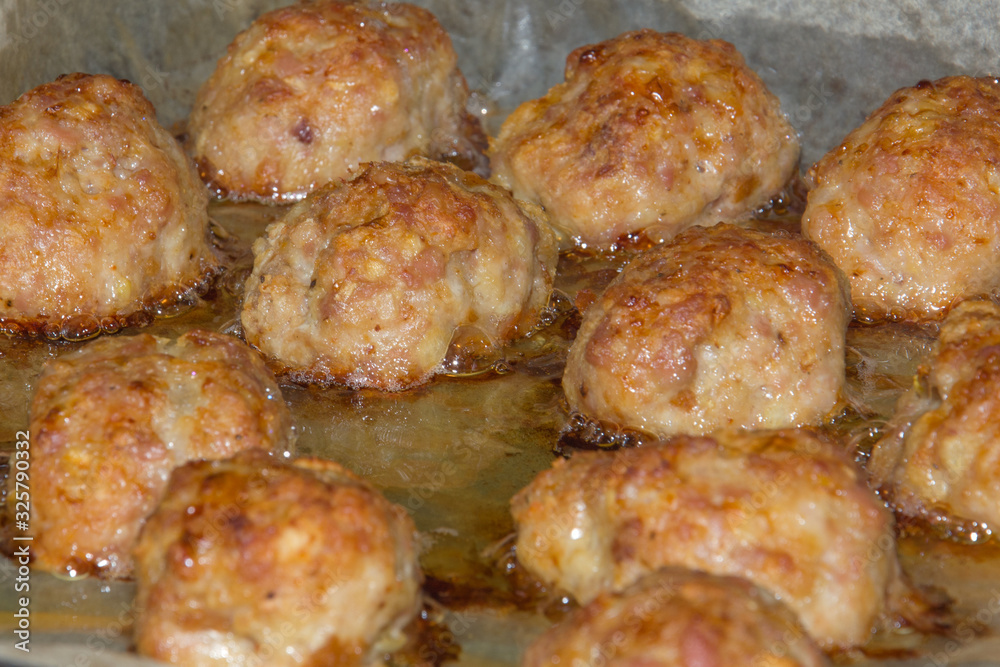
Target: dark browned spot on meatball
(590,56)
(303,132)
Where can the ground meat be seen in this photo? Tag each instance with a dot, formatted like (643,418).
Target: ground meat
(681,618)
(309,91)
(784,509)
(102,214)
(722,327)
(940,460)
(255,561)
(366,282)
(909,204)
(110,421)
(650,131)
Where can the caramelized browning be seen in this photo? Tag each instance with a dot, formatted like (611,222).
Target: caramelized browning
(112,419)
(785,509)
(310,91)
(909,204)
(103,217)
(941,460)
(723,327)
(251,559)
(679,617)
(370,282)
(650,131)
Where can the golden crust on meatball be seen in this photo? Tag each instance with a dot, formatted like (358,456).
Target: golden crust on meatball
(682,618)
(254,561)
(310,91)
(650,131)
(941,460)
(103,216)
(723,327)
(784,509)
(909,204)
(366,282)
(112,419)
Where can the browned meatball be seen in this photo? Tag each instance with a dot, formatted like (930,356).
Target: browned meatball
(680,618)
(366,282)
(722,327)
(909,204)
(785,509)
(111,420)
(941,461)
(309,91)
(254,561)
(650,131)
(101,214)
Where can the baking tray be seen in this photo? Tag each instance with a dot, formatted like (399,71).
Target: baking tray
(455,451)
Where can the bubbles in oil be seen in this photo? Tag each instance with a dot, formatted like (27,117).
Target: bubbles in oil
(471,353)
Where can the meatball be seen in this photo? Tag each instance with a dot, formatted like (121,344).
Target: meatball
(309,91)
(784,509)
(909,204)
(111,420)
(254,561)
(723,327)
(943,462)
(103,217)
(366,282)
(681,618)
(650,131)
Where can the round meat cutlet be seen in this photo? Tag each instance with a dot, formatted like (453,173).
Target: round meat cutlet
(682,618)
(252,560)
(909,204)
(366,283)
(785,509)
(102,216)
(650,132)
(310,91)
(723,327)
(109,422)
(941,461)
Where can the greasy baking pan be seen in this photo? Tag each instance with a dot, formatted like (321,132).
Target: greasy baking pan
(455,451)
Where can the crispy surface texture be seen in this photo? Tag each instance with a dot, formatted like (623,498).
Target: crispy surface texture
(909,204)
(254,561)
(650,131)
(682,618)
(723,327)
(310,91)
(784,509)
(366,282)
(109,422)
(942,461)
(102,214)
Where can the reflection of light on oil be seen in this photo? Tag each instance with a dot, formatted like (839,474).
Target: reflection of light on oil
(575,534)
